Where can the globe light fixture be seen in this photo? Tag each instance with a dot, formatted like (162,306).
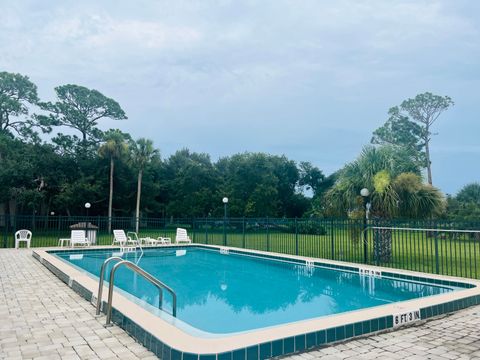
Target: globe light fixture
(365,192)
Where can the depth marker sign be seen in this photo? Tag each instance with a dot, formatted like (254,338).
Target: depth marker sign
(406,317)
(369,272)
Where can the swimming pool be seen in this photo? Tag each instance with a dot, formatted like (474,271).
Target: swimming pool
(220,294)
(239,304)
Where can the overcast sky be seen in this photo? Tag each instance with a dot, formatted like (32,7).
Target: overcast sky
(308,79)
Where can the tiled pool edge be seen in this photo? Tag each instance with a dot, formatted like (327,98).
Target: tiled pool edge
(288,345)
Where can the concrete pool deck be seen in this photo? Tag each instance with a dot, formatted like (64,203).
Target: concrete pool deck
(41,318)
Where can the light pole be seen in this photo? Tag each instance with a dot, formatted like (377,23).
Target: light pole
(52,213)
(87,206)
(365,193)
(225,202)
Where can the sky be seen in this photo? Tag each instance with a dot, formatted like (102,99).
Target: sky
(310,79)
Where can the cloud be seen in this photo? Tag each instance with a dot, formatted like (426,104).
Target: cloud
(100,31)
(316,72)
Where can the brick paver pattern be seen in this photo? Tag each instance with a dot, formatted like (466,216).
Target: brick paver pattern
(41,318)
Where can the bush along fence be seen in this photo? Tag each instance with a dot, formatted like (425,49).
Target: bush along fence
(441,247)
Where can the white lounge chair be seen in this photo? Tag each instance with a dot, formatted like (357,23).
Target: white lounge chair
(148,241)
(77,237)
(120,238)
(132,237)
(182,236)
(23,235)
(164,240)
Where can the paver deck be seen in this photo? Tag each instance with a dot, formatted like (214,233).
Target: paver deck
(41,318)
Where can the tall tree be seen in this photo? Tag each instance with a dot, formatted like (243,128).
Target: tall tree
(17,95)
(143,153)
(465,206)
(425,109)
(259,184)
(399,130)
(30,174)
(409,126)
(191,184)
(113,148)
(470,193)
(81,108)
(311,177)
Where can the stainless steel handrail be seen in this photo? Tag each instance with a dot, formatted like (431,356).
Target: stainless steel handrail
(136,241)
(100,283)
(160,285)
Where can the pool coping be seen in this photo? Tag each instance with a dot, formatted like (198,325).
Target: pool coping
(170,342)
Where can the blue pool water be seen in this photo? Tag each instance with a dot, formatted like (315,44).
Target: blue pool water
(222,294)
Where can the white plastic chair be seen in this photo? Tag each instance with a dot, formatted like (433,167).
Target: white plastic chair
(120,238)
(182,236)
(78,237)
(164,240)
(133,237)
(148,241)
(23,235)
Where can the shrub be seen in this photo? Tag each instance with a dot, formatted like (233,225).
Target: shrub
(310,228)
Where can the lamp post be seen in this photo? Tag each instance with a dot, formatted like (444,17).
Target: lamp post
(52,213)
(87,207)
(225,202)
(365,193)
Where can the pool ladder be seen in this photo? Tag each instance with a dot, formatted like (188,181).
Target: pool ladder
(121,262)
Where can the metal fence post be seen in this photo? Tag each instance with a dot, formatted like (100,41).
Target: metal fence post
(268,235)
(225,230)
(332,239)
(5,233)
(164,225)
(365,240)
(206,230)
(296,237)
(193,229)
(243,233)
(437,265)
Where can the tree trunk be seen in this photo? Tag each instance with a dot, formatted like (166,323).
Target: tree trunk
(139,192)
(110,198)
(3,211)
(382,245)
(33,219)
(3,205)
(427,155)
(12,207)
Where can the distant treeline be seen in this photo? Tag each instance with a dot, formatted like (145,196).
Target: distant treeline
(121,176)
(36,178)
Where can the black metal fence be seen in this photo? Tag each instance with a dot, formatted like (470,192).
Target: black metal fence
(449,248)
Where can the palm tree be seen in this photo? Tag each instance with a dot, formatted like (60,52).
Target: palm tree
(143,153)
(397,191)
(113,148)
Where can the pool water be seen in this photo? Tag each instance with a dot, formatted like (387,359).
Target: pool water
(220,294)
